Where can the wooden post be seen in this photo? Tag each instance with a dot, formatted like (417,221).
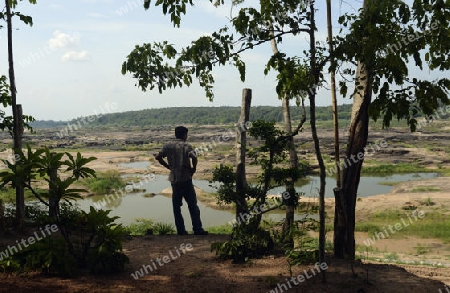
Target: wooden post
(241,143)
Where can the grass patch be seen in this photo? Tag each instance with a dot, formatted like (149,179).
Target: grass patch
(8,195)
(142,226)
(422,249)
(368,227)
(392,256)
(223,229)
(425,189)
(388,183)
(139,227)
(432,225)
(430,229)
(393,169)
(161,228)
(365,249)
(105,182)
(444,172)
(427,202)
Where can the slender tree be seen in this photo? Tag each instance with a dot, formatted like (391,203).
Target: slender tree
(293,158)
(315,74)
(17,127)
(333,95)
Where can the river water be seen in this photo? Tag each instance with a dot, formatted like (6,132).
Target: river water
(131,206)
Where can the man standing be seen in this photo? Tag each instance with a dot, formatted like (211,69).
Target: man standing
(179,155)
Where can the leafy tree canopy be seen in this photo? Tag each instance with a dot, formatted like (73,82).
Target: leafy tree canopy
(399,33)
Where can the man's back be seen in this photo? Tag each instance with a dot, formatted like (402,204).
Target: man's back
(178,155)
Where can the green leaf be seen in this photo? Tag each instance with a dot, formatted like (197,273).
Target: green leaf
(25,18)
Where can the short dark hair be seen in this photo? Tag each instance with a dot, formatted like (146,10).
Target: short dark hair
(180,132)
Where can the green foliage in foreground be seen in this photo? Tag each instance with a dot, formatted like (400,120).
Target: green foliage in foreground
(95,243)
(246,242)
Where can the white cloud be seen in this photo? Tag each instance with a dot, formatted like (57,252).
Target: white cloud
(57,7)
(76,56)
(96,15)
(62,40)
(221,11)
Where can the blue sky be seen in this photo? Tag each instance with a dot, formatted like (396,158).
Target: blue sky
(68,64)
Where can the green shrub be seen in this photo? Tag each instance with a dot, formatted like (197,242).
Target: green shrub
(305,248)
(160,228)
(105,182)
(139,227)
(105,255)
(9,265)
(246,242)
(49,256)
(95,237)
(89,240)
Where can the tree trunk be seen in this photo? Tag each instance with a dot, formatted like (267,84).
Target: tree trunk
(293,164)
(20,191)
(241,143)
(344,218)
(344,225)
(315,74)
(293,158)
(333,99)
(17,116)
(53,201)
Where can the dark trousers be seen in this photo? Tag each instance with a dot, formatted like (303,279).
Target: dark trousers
(185,189)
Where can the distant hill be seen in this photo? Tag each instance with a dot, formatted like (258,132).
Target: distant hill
(196,115)
(48,124)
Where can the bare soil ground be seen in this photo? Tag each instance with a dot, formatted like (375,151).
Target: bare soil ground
(200,271)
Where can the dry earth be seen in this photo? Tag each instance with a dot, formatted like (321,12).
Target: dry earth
(198,270)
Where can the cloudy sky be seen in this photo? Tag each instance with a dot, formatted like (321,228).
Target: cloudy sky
(68,64)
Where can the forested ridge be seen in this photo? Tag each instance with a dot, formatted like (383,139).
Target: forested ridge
(196,115)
